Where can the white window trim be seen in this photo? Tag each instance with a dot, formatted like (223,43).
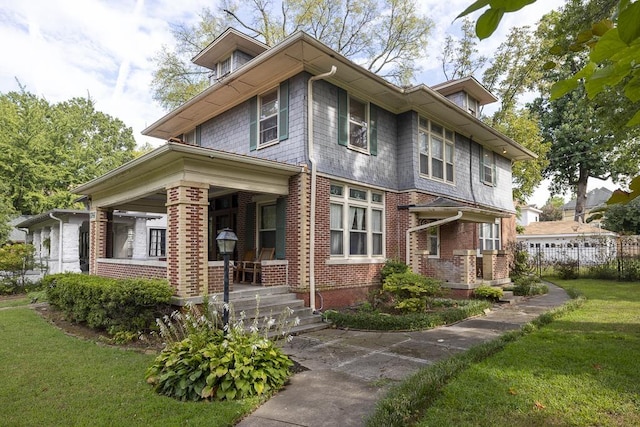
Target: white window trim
(274,141)
(365,124)
(445,142)
(219,66)
(437,234)
(346,202)
(482,239)
(494,169)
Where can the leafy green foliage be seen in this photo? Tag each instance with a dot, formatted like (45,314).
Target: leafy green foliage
(566,269)
(202,361)
(529,285)
(46,149)
(392,266)
(492,293)
(454,311)
(15,261)
(623,218)
(410,290)
(110,304)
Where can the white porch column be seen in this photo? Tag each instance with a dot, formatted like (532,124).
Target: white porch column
(37,242)
(54,238)
(140,239)
(71,246)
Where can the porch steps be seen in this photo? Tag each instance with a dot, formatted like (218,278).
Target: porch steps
(509,298)
(271,302)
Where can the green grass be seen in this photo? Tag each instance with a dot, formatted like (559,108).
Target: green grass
(49,378)
(579,370)
(14,302)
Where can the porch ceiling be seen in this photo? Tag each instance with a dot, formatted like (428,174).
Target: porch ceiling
(300,52)
(140,185)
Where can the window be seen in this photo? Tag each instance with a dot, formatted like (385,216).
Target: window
(436,150)
(268,105)
(490,236)
(267,232)
(356,222)
(224,67)
(488,167)
(358,124)
(433,241)
(157,242)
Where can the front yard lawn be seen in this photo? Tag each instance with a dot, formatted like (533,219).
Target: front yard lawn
(49,378)
(579,370)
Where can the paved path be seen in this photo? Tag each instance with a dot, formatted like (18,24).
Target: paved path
(349,371)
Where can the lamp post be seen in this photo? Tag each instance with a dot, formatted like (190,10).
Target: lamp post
(226,243)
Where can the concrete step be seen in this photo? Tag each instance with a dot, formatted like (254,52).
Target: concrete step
(509,298)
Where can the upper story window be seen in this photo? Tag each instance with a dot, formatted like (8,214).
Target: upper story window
(269,117)
(224,67)
(268,105)
(192,137)
(488,167)
(356,222)
(357,124)
(436,150)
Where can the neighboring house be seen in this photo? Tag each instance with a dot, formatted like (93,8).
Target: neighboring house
(61,238)
(568,240)
(528,215)
(17,235)
(595,198)
(297,148)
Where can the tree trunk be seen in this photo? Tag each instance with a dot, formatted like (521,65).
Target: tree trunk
(581,194)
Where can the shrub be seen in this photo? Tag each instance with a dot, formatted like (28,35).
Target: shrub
(566,269)
(15,261)
(110,304)
(410,291)
(200,361)
(606,271)
(631,270)
(488,292)
(392,266)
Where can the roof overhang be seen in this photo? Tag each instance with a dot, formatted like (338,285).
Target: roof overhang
(301,52)
(141,184)
(467,84)
(230,40)
(46,217)
(469,213)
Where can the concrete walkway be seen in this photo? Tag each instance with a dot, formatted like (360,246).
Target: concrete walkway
(349,371)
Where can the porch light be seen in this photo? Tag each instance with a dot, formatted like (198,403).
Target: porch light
(226,244)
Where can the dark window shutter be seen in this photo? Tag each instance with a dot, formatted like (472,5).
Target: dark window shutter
(250,227)
(373,130)
(199,135)
(253,123)
(343,118)
(283,126)
(281,222)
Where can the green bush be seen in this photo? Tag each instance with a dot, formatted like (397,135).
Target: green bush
(566,269)
(488,292)
(200,361)
(392,266)
(529,285)
(410,291)
(111,304)
(371,320)
(15,261)
(605,271)
(631,270)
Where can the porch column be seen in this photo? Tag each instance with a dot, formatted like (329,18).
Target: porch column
(98,220)
(36,242)
(464,262)
(489,264)
(187,242)
(140,239)
(71,246)
(54,252)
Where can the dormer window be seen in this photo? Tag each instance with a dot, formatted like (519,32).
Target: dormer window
(224,67)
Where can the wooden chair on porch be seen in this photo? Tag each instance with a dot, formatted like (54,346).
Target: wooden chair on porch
(255,267)
(238,267)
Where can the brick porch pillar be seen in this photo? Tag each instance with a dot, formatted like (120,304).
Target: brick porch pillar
(464,262)
(489,258)
(98,220)
(187,242)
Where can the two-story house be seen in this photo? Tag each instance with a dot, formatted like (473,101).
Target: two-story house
(297,148)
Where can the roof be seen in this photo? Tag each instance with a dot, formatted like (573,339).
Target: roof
(562,228)
(595,197)
(442,208)
(299,53)
(223,45)
(46,216)
(468,84)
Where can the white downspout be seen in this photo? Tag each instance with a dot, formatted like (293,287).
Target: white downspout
(312,160)
(424,227)
(59,243)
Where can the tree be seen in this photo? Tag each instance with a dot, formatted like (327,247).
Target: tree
(460,56)
(623,218)
(384,36)
(552,209)
(46,150)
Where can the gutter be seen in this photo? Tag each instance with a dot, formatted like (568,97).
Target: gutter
(59,242)
(424,227)
(312,160)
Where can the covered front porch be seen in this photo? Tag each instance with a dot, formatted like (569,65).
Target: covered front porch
(201,191)
(459,244)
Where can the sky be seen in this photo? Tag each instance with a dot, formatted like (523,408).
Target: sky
(104,49)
